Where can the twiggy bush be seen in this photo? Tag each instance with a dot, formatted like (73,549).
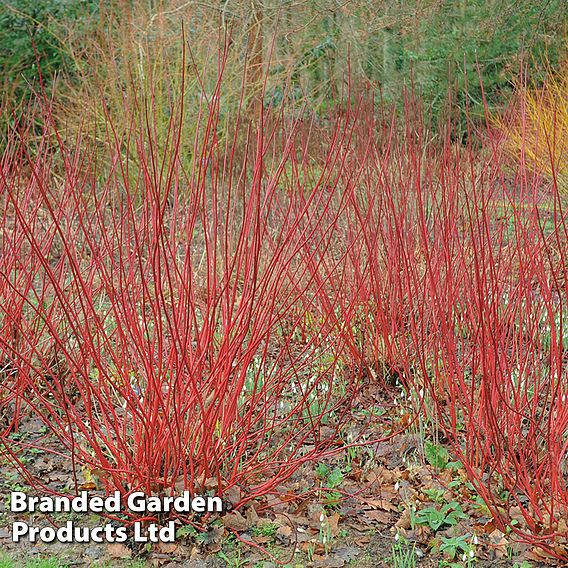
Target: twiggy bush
(185,325)
(484,300)
(537,128)
(460,273)
(157,316)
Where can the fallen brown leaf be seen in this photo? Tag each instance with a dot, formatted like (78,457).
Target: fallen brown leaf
(235,521)
(118,550)
(329,562)
(498,542)
(284,533)
(333,523)
(252,516)
(383,476)
(404,521)
(489,526)
(292,520)
(166,547)
(382,504)
(232,495)
(378,516)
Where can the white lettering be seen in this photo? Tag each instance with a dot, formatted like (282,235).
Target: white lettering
(18,502)
(138,536)
(19,529)
(198,504)
(136,502)
(214,505)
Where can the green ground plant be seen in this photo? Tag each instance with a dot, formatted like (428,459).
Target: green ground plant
(440,516)
(403,553)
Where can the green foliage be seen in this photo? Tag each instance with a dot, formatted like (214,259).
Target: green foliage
(403,554)
(435,494)
(437,517)
(331,479)
(32,32)
(455,546)
(433,45)
(458,41)
(234,561)
(335,478)
(186,531)
(265,529)
(7,562)
(436,455)
(45,563)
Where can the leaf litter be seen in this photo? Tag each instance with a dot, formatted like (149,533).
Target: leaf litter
(345,512)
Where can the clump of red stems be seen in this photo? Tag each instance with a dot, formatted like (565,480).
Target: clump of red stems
(184,320)
(155,307)
(454,280)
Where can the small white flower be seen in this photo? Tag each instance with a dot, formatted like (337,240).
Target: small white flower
(464,557)
(475,540)
(322,517)
(396,486)
(396,536)
(471,554)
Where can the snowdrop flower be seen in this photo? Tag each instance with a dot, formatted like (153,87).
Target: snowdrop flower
(322,517)
(475,540)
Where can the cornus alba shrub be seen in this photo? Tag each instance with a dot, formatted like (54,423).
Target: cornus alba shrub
(155,318)
(199,326)
(454,281)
